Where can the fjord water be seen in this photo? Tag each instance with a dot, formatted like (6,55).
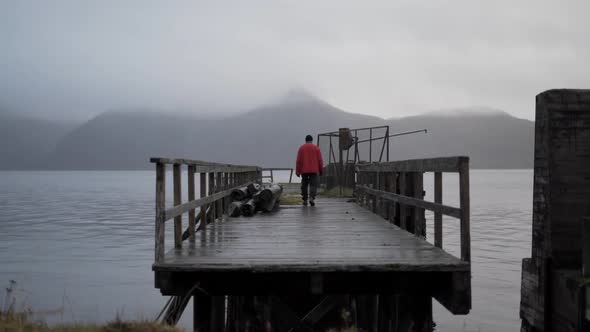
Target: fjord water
(80,244)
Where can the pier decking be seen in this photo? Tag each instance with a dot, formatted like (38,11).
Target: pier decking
(288,269)
(333,236)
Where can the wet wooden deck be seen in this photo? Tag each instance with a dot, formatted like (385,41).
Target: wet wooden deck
(336,235)
(336,247)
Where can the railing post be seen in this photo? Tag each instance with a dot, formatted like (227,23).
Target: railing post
(402,208)
(203,193)
(160,208)
(226,200)
(438,234)
(219,202)
(388,176)
(212,208)
(380,201)
(191,197)
(419,219)
(465,209)
(393,205)
(374,182)
(177,201)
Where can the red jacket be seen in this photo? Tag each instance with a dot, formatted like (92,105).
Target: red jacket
(309,159)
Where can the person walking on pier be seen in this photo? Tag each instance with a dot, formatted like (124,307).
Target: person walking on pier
(309,165)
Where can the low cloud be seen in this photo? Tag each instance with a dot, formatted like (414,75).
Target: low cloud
(73,59)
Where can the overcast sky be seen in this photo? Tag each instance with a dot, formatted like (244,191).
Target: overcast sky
(386,58)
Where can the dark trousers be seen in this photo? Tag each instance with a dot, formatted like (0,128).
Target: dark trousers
(311,180)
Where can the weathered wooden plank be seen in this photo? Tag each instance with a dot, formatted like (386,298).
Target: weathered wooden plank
(438,226)
(191,197)
(177,201)
(444,164)
(411,201)
(160,211)
(465,210)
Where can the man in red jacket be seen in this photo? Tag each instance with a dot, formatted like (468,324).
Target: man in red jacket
(309,165)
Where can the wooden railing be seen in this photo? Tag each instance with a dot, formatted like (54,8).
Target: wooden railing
(275,169)
(216,183)
(395,190)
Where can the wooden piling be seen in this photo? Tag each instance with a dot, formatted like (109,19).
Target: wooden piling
(201,313)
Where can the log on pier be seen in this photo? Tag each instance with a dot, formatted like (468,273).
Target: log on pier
(249,200)
(240,194)
(248,208)
(235,209)
(268,197)
(253,188)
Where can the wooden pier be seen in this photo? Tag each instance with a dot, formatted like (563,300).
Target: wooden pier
(360,262)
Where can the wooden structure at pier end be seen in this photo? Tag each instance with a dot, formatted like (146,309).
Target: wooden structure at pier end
(358,262)
(555,295)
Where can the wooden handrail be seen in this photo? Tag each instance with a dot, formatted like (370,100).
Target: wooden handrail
(392,181)
(443,164)
(271,169)
(411,201)
(217,180)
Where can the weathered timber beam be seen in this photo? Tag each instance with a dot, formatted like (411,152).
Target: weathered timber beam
(185,207)
(444,164)
(406,200)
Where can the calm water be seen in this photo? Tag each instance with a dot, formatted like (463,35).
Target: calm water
(80,245)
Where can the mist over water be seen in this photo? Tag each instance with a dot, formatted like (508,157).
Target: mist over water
(84,242)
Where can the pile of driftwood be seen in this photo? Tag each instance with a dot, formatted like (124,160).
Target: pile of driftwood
(253,198)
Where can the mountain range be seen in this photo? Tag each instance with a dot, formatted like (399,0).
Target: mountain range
(268,136)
